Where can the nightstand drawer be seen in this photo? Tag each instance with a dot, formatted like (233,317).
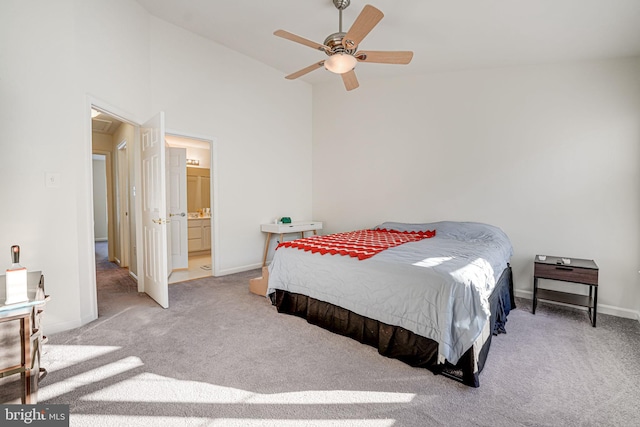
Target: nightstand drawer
(566,273)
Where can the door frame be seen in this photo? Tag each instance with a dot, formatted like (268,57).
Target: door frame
(213,192)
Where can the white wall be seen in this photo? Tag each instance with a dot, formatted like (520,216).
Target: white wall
(41,110)
(551,154)
(50,69)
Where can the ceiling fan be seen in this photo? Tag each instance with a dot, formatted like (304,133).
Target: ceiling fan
(342,48)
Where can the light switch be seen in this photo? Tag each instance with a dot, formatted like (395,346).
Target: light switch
(52,179)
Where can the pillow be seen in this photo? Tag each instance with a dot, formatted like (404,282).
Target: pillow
(458,230)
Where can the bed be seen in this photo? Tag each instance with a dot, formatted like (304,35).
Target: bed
(433,297)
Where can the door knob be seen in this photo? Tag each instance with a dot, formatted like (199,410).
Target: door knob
(180,214)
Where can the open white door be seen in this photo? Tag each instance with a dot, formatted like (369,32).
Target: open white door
(154,210)
(177,172)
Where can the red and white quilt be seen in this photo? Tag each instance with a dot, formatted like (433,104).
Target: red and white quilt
(361,244)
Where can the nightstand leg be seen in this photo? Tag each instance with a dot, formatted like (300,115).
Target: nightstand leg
(266,249)
(535,294)
(589,308)
(595,304)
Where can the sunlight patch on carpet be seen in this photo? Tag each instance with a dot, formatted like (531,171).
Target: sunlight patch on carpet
(88,378)
(57,357)
(147,387)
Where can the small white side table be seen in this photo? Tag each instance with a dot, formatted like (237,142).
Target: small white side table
(282,229)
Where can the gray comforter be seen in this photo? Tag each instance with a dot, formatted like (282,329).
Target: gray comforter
(437,288)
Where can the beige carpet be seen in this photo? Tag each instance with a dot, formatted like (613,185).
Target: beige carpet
(222,356)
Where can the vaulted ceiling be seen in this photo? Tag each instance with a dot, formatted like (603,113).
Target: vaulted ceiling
(444,35)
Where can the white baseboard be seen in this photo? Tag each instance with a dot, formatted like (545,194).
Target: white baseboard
(237,269)
(55,327)
(602,308)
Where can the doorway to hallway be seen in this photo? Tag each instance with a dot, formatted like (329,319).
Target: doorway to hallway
(114,245)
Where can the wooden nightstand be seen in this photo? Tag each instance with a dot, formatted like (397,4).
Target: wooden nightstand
(582,271)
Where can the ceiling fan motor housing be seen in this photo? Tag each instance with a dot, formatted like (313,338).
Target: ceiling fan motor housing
(334,42)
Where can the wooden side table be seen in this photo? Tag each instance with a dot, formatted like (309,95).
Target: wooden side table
(31,338)
(582,271)
(282,229)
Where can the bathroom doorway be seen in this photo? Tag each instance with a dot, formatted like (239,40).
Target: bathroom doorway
(199,215)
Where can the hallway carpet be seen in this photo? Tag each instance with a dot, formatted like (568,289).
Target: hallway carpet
(115,286)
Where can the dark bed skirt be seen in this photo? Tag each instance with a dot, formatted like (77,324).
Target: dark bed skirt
(397,342)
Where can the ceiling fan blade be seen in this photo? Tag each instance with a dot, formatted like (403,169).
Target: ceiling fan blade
(294,38)
(364,23)
(350,80)
(304,71)
(385,57)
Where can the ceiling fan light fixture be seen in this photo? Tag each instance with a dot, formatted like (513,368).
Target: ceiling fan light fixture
(342,48)
(340,63)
